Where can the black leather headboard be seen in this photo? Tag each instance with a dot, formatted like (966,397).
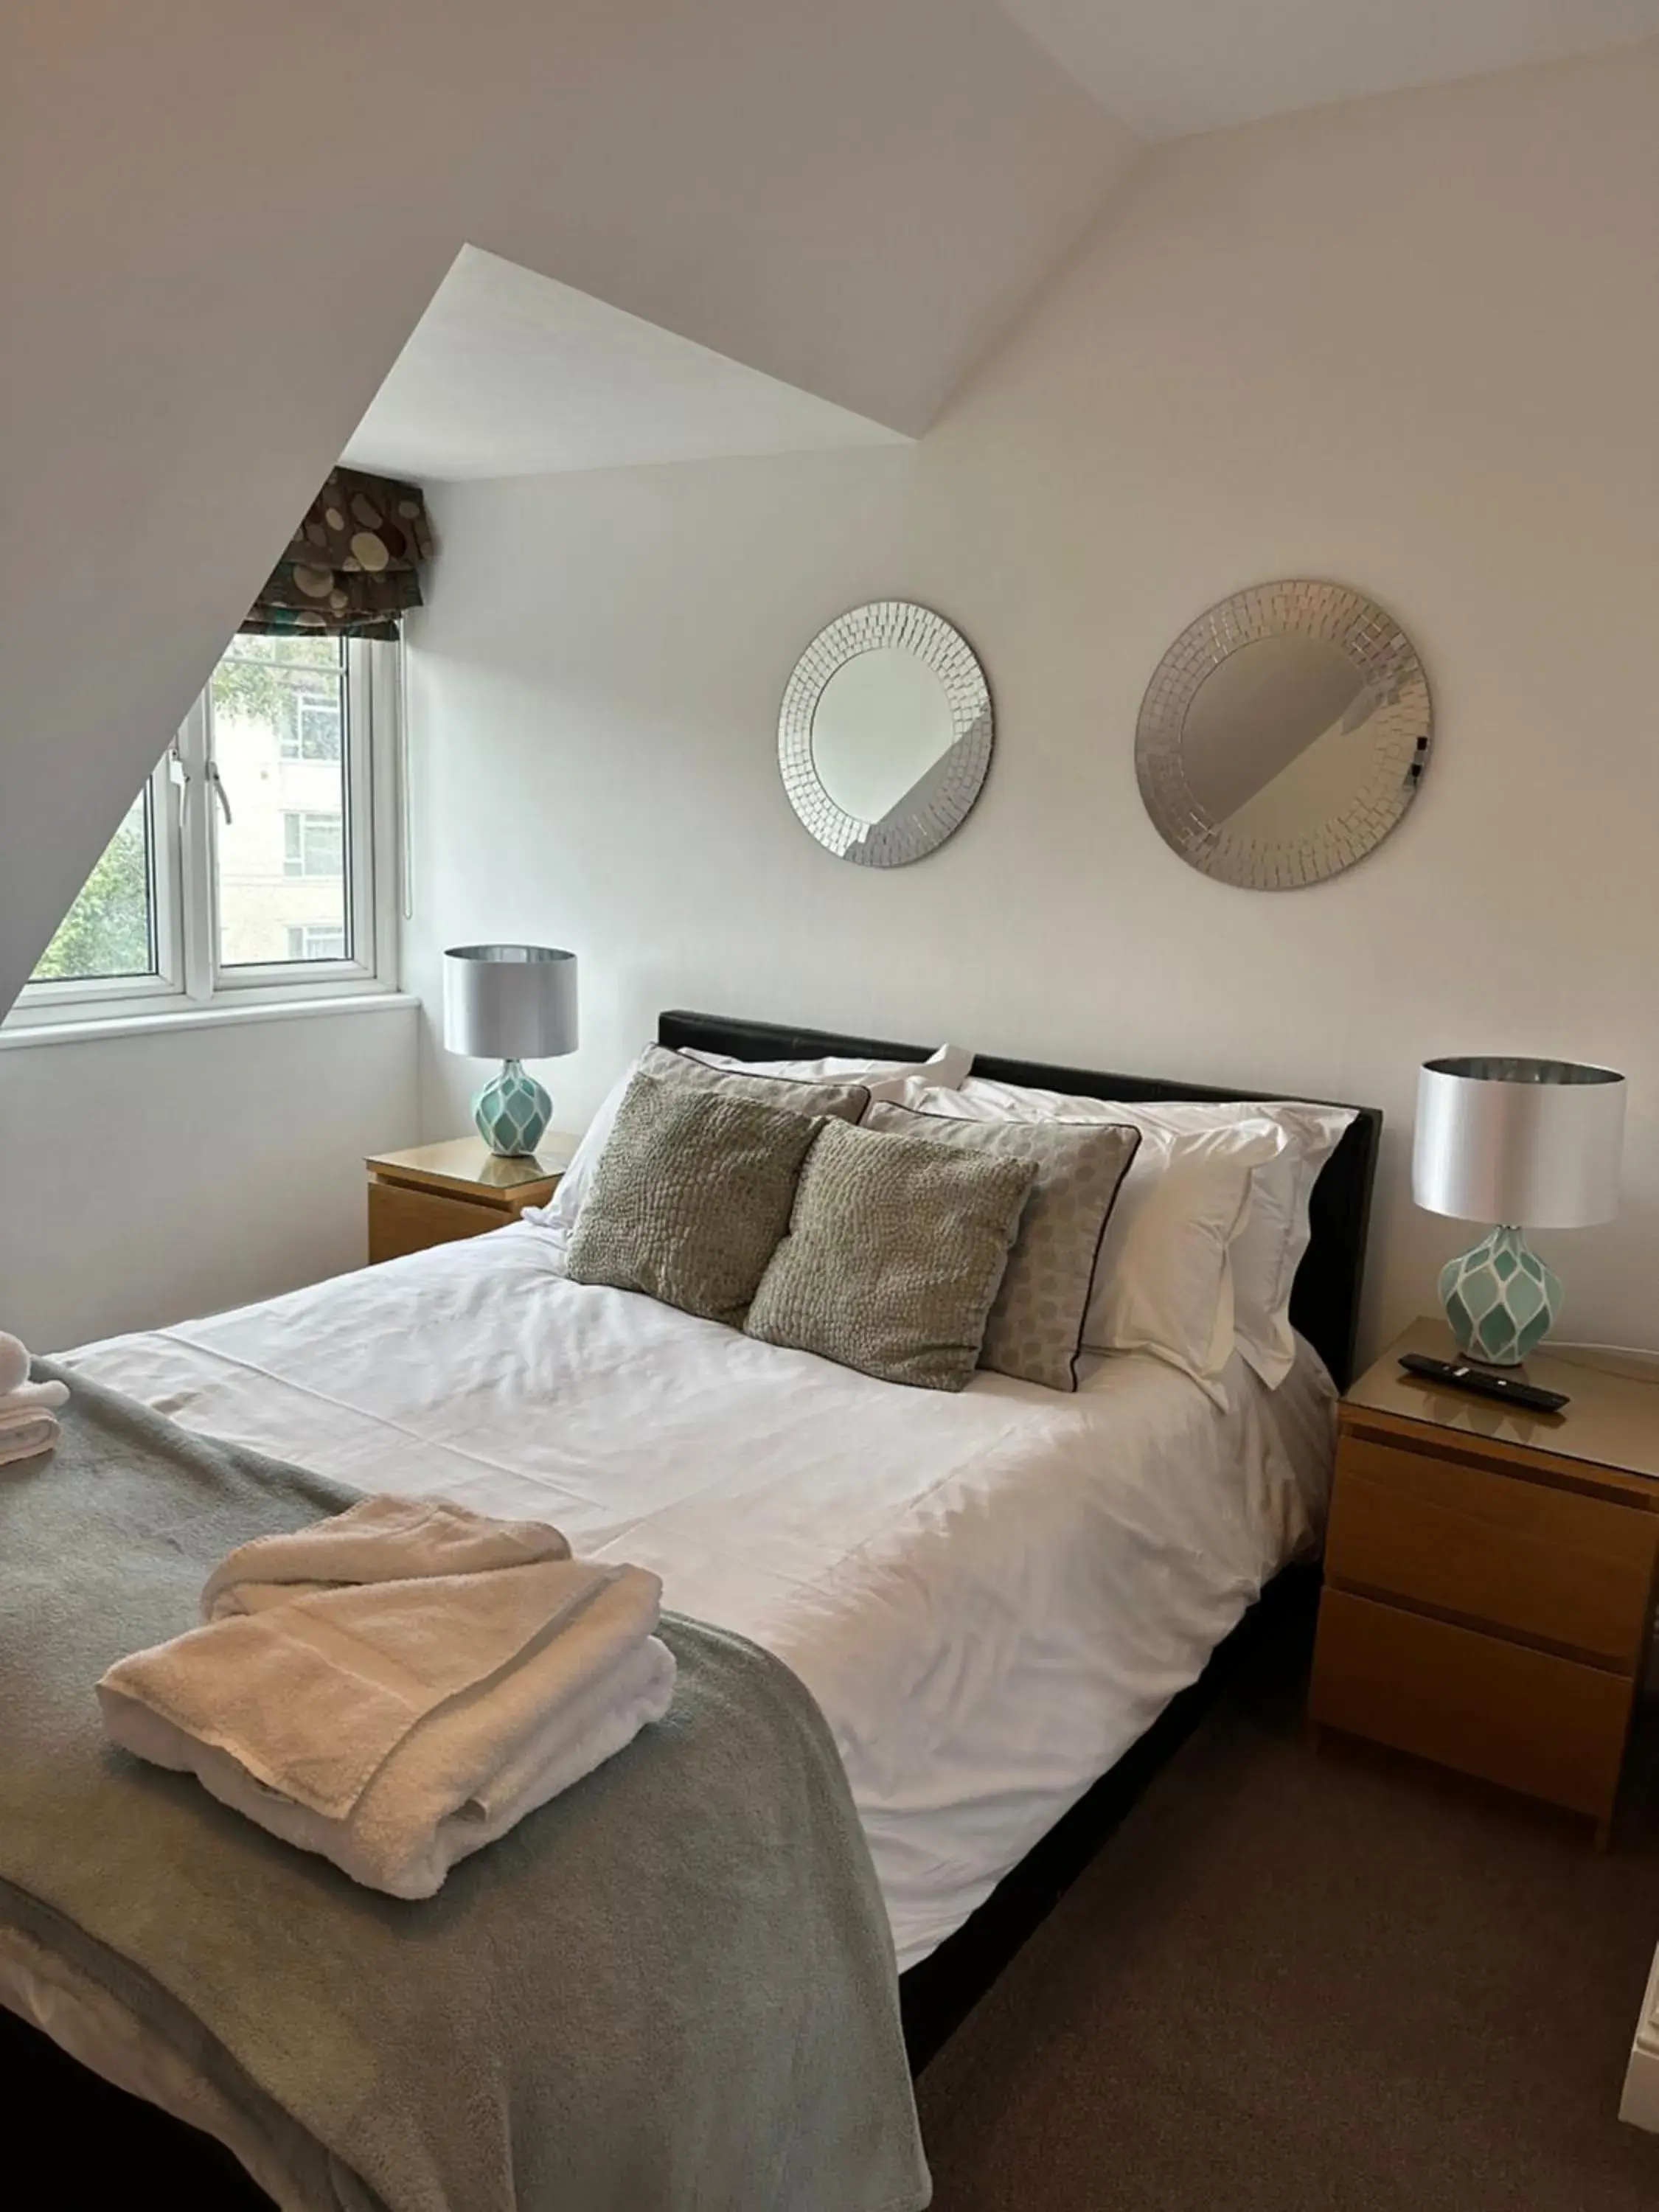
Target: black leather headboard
(1325,1302)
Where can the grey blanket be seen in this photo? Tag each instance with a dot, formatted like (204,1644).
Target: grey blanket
(672,1987)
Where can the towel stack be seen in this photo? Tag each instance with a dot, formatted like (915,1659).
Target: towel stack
(398,1687)
(29,1411)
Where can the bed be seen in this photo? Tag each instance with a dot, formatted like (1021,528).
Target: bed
(991,1596)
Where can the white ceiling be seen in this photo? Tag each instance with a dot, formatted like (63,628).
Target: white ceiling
(510,373)
(1171,67)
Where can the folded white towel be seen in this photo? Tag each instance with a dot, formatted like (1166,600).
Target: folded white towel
(28,1427)
(30,1398)
(14,1361)
(384,1844)
(25,1437)
(398,1687)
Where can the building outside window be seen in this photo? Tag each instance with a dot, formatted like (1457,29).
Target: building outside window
(308,941)
(310,730)
(311,845)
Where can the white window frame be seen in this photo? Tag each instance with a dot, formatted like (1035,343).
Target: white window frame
(185,799)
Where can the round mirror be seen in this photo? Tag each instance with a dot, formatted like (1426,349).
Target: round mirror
(1284,735)
(884,735)
(881,722)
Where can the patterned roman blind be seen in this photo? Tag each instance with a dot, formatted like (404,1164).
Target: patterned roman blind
(352,568)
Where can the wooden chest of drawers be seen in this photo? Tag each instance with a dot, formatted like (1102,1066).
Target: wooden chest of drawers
(438,1192)
(1489,1585)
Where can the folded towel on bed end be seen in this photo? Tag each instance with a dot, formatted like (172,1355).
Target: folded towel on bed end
(419,1816)
(14,1361)
(399,1685)
(383,1539)
(27,1427)
(25,1437)
(33,1398)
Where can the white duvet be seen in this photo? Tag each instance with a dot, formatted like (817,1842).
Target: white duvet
(991,1595)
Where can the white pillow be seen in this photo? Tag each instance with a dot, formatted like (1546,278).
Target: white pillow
(947,1066)
(1269,1247)
(1163,1282)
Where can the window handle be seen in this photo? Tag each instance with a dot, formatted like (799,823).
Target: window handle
(179,776)
(219,790)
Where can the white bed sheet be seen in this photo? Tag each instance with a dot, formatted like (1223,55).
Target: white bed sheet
(991,1595)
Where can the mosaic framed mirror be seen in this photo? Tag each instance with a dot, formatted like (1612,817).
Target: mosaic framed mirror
(886,733)
(1284,735)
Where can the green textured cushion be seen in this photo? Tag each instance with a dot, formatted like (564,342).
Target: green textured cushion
(842,1101)
(690,1197)
(894,1251)
(1035,1328)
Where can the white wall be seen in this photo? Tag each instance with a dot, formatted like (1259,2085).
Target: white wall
(217,235)
(1411,344)
(149,1177)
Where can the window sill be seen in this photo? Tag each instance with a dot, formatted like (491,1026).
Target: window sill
(200,1017)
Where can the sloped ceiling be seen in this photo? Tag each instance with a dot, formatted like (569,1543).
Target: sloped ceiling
(218,240)
(1168,68)
(510,373)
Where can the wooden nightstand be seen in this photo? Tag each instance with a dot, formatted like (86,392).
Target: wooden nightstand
(1489,1574)
(436,1192)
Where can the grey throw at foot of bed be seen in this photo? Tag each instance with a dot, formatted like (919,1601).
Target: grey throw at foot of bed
(671,1987)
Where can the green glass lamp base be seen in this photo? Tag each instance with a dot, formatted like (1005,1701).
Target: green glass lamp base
(1500,1299)
(511,1112)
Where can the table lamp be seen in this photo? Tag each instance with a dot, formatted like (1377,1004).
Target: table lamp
(511,1003)
(1527,1144)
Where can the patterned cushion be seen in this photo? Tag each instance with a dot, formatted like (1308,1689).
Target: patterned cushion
(895,1251)
(844,1100)
(690,1198)
(1035,1328)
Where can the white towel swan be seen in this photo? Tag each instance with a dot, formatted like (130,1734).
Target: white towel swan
(28,1423)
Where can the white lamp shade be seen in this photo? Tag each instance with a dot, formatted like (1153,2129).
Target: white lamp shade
(509,1001)
(1534,1144)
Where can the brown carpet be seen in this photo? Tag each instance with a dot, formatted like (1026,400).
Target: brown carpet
(1298,1980)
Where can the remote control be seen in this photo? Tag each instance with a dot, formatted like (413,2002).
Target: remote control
(1508,1389)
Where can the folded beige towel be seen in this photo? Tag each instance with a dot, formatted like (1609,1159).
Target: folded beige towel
(382,1539)
(430,1806)
(25,1433)
(27,1425)
(397,1719)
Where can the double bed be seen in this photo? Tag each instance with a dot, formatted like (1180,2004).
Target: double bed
(991,1596)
